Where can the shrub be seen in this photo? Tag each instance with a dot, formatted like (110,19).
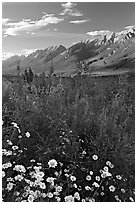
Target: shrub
(70,143)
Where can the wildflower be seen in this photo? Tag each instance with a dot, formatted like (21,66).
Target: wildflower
(56,173)
(38,180)
(31,192)
(91,200)
(29,167)
(15,147)
(50,179)
(73,178)
(40,174)
(37,168)
(8,153)
(19,177)
(105,174)
(9,179)
(84,152)
(16,193)
(15,125)
(50,195)
(91,173)
(19,130)
(61,164)
(44,195)
(32,174)
(39,164)
(3,151)
(102,193)
(27,134)
(131,199)
(32,160)
(118,177)
(117,198)
(25,194)
(25,148)
(6,165)
(97,178)
(101,171)
(112,188)
(59,188)
(10,186)
(123,190)
(58,199)
(111,166)
(9,142)
(77,196)
(18,199)
(95,157)
(108,163)
(69,198)
(87,188)
(63,133)
(37,193)
(105,168)
(30,198)
(67,175)
(20,168)
(95,184)
(88,177)
(56,193)
(42,185)
(31,183)
(27,181)
(27,188)
(20,136)
(52,163)
(75,185)
(3,174)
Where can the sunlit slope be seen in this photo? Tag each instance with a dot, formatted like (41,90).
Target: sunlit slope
(113,50)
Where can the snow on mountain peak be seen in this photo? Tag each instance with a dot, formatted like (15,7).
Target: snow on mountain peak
(98,32)
(105,36)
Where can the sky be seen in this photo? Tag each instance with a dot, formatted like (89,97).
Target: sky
(28,26)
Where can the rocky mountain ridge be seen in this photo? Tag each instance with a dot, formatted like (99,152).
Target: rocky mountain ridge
(103,51)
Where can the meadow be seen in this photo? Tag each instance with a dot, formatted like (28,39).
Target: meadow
(69,139)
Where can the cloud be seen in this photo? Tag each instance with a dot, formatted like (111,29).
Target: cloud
(80,21)
(5,21)
(27,25)
(68,5)
(47,14)
(100,32)
(26,20)
(27,52)
(129,27)
(70,10)
(6,55)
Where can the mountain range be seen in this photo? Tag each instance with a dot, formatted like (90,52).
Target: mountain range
(106,51)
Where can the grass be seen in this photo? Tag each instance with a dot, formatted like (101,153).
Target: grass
(82,126)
